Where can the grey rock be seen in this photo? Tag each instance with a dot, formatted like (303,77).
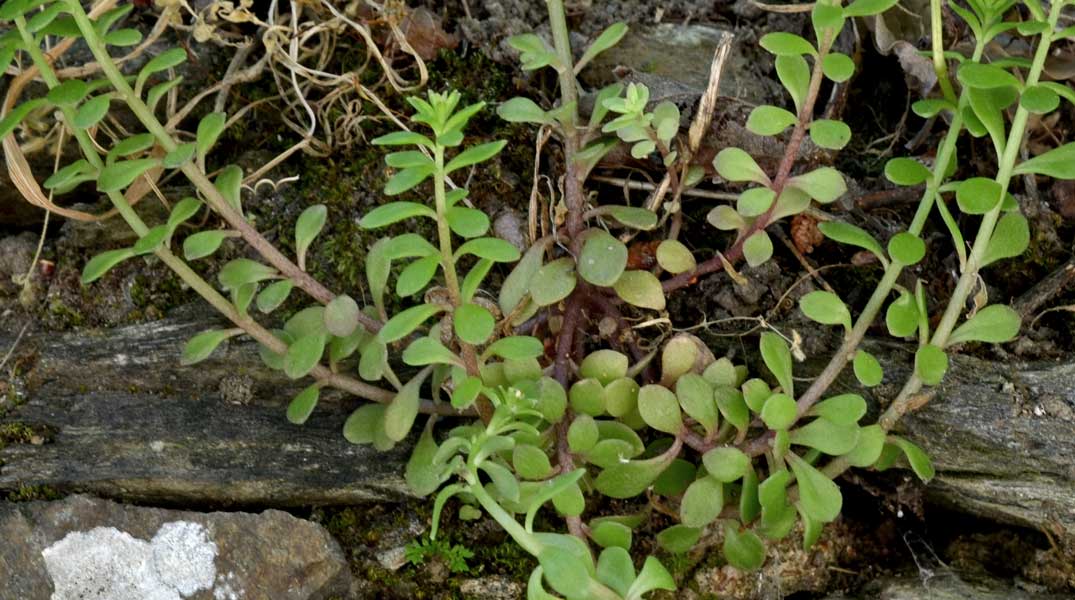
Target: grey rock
(946,586)
(83,547)
(122,419)
(674,62)
(491,588)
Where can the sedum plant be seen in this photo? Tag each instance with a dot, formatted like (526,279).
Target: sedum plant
(553,412)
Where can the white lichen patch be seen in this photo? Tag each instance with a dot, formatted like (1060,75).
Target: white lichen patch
(105,562)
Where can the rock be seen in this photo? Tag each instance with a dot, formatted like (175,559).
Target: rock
(945,586)
(674,62)
(83,547)
(491,588)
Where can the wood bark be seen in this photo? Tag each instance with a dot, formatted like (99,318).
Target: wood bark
(127,421)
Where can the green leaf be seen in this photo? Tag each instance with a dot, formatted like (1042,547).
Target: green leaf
(608,38)
(638,218)
(242,271)
(467,222)
(341,316)
(604,366)
(429,351)
(116,176)
(424,474)
(229,183)
(837,66)
(70,176)
(68,93)
(394,212)
(845,233)
(732,406)
(702,502)
(534,53)
(122,37)
(17,114)
(755,201)
(994,324)
(203,243)
(531,462)
(779,412)
(162,62)
(866,452)
(866,8)
(91,112)
(794,74)
(743,550)
(363,425)
(406,179)
(725,218)
(1058,163)
(399,415)
(983,76)
(621,397)
(930,364)
(417,275)
(770,120)
(726,464)
(916,457)
(304,354)
(978,195)
(151,240)
(867,370)
(209,130)
(678,539)
(640,288)
(845,409)
(308,225)
(517,284)
(830,134)
(674,257)
(522,110)
(1011,237)
(158,91)
(473,324)
(494,249)
(902,316)
(583,434)
(199,347)
(403,323)
(630,478)
(403,138)
(931,107)
(758,248)
(100,264)
(906,171)
(517,347)
(274,295)
(660,409)
(734,164)
(553,282)
(182,211)
(819,496)
(178,157)
(474,155)
(826,436)
(825,308)
(302,405)
(824,184)
(906,248)
(786,44)
(1039,99)
(695,396)
(777,356)
(603,258)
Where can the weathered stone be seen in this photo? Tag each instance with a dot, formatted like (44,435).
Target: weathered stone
(945,586)
(491,588)
(83,547)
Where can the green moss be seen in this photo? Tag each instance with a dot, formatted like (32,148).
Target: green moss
(65,316)
(15,433)
(29,493)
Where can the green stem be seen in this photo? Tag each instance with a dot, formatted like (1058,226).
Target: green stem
(524,538)
(213,196)
(195,281)
(969,277)
(940,65)
(880,294)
